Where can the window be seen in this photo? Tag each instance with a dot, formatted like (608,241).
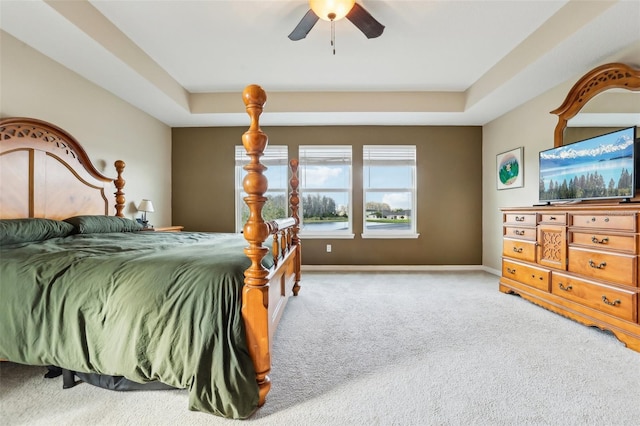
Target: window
(276,159)
(325,191)
(389,186)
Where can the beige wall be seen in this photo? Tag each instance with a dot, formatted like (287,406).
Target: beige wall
(449,190)
(530,126)
(32,85)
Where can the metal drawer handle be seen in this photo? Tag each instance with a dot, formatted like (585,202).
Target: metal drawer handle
(595,239)
(610,303)
(515,231)
(517,250)
(511,271)
(562,287)
(599,266)
(552,218)
(519,218)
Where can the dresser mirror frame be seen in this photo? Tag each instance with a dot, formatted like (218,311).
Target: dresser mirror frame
(614,75)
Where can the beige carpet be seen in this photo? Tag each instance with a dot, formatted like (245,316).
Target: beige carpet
(437,348)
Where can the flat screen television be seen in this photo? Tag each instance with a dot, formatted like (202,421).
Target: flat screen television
(601,167)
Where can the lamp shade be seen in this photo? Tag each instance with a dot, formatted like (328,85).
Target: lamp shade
(331,10)
(145,206)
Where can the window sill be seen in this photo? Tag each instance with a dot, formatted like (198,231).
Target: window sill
(389,236)
(327,236)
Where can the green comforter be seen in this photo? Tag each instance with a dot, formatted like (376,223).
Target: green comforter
(144,305)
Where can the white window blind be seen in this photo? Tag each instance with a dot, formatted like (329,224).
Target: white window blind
(274,155)
(325,154)
(400,155)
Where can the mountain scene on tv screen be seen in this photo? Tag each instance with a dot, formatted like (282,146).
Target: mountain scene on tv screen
(601,167)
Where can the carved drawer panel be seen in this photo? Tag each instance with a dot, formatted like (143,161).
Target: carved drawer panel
(552,246)
(553,218)
(526,274)
(611,300)
(519,249)
(604,221)
(614,267)
(520,233)
(627,243)
(524,219)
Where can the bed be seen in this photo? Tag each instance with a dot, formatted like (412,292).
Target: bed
(85,289)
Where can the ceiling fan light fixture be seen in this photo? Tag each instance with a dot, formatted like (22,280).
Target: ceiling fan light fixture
(331,10)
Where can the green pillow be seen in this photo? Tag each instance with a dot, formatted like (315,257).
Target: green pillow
(14,231)
(102,224)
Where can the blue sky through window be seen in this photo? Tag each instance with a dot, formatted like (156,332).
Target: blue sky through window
(326,177)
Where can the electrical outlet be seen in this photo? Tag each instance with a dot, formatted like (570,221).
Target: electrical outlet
(328,248)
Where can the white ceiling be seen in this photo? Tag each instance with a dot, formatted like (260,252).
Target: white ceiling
(437,62)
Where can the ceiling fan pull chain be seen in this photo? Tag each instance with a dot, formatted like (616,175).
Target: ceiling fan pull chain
(333,36)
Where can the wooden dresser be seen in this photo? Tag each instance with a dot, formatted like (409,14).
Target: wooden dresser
(580,261)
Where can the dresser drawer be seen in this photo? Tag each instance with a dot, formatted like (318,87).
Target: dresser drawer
(604,221)
(526,219)
(526,274)
(627,243)
(614,267)
(553,218)
(520,233)
(519,249)
(611,300)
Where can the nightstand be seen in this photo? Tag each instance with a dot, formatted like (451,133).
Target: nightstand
(170,228)
(165,229)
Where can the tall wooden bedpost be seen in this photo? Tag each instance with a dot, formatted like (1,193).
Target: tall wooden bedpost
(294,202)
(255,294)
(119,183)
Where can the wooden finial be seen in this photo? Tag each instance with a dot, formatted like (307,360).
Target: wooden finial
(254,95)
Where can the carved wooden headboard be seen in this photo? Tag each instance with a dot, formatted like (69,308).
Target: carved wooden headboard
(45,172)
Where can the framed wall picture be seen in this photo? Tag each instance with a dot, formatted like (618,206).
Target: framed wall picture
(510,169)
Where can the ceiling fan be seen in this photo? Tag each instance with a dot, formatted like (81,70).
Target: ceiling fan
(333,10)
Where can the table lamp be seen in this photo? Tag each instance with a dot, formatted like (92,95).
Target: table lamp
(144,207)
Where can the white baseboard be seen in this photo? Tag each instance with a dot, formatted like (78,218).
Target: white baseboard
(396,268)
(495,272)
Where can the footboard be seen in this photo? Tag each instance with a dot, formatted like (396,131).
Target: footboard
(285,275)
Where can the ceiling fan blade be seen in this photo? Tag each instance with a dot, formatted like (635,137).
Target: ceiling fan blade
(304,26)
(365,22)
